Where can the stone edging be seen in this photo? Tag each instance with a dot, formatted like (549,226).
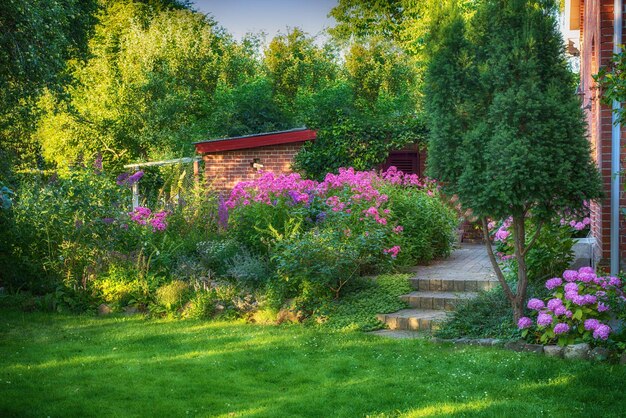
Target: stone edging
(575,351)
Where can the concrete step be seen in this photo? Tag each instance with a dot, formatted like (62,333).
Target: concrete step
(413,319)
(436,300)
(452,284)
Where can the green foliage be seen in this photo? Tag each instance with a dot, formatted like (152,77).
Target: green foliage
(36,41)
(201,306)
(612,83)
(429,225)
(549,257)
(248,270)
(296,65)
(172,295)
(486,316)
(214,255)
(146,90)
(507,133)
(363,300)
(354,132)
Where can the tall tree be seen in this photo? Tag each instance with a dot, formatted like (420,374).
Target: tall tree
(507,132)
(36,41)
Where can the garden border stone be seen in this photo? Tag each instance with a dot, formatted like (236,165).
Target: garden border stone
(575,351)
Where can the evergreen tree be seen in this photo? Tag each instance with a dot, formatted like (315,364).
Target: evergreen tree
(507,132)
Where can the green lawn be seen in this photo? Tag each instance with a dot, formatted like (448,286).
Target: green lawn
(56,365)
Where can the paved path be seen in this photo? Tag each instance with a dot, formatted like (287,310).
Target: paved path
(469,262)
(441,285)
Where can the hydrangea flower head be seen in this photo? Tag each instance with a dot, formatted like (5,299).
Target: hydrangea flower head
(544,319)
(553,283)
(561,328)
(591,324)
(554,303)
(570,275)
(602,332)
(524,322)
(535,304)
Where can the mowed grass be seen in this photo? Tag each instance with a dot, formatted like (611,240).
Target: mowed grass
(69,366)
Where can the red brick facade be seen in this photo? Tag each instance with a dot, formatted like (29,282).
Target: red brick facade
(596,35)
(225,169)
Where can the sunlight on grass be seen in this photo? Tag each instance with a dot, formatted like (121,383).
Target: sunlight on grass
(446,409)
(59,365)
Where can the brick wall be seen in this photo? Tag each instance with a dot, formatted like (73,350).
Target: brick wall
(597,49)
(225,169)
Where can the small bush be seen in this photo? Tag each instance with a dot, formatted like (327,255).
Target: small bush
(173,295)
(579,309)
(248,270)
(487,316)
(201,306)
(214,255)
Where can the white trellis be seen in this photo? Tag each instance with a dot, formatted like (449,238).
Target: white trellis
(137,166)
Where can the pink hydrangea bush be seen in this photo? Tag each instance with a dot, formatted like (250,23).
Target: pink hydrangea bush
(579,309)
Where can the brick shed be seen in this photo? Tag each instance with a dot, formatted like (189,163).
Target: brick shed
(228,161)
(597,27)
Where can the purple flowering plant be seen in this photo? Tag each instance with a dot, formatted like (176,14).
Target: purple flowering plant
(579,310)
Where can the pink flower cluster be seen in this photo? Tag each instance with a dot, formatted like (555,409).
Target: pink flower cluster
(268,187)
(144,216)
(580,300)
(393,251)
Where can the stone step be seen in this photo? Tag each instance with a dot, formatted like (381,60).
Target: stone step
(436,300)
(453,284)
(413,319)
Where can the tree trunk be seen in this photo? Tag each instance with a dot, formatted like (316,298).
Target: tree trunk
(494,263)
(519,242)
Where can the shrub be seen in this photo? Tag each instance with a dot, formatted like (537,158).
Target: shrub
(551,254)
(248,270)
(173,295)
(486,316)
(579,309)
(215,254)
(201,306)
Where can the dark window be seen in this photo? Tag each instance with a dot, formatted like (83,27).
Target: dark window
(407,161)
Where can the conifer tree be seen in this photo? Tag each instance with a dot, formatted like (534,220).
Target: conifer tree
(507,131)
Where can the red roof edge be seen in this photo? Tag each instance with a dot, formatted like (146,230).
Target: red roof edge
(255,141)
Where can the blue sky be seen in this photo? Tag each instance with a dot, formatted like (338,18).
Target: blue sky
(270,16)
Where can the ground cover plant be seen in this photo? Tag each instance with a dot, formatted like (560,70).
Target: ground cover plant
(57,365)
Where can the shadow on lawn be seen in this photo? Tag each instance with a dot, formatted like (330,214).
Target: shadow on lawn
(137,367)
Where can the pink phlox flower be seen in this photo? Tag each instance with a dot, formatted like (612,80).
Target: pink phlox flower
(393,251)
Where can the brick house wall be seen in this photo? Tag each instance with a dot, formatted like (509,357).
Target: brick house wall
(225,169)
(596,37)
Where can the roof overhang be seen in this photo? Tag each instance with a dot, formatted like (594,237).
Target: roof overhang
(255,141)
